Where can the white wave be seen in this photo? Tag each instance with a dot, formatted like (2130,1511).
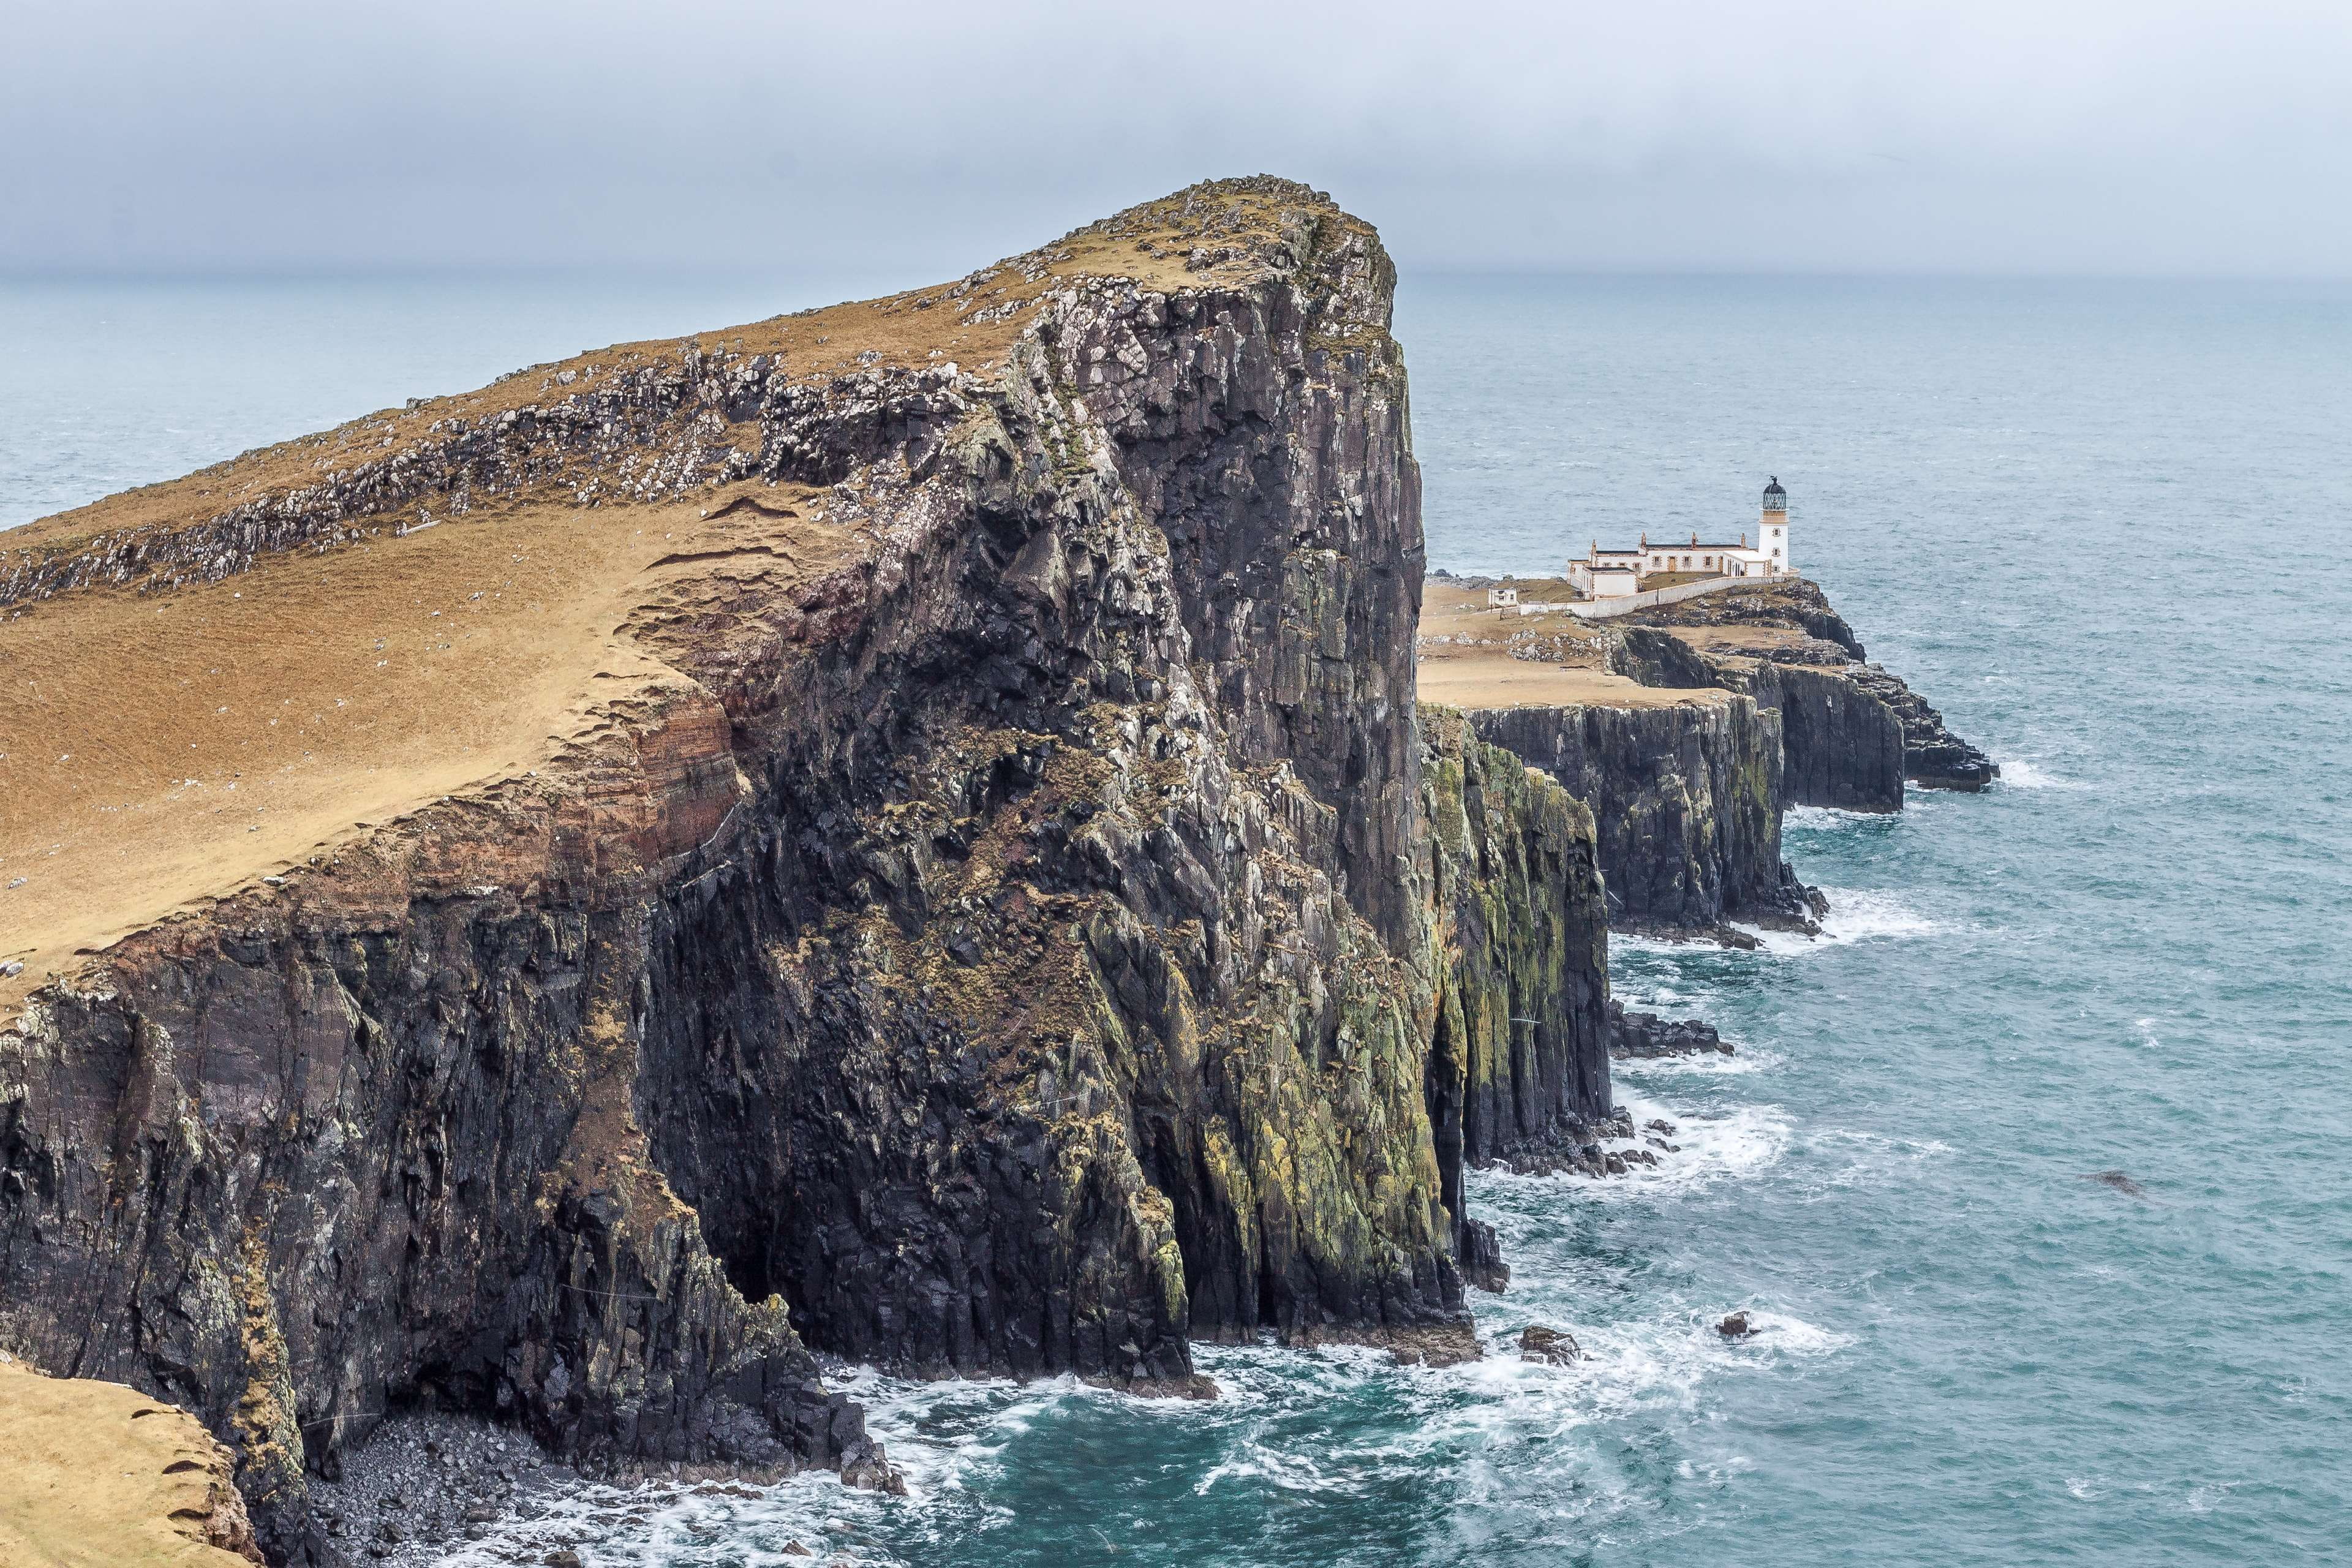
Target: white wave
(1784,1335)
(1710,1146)
(1649,994)
(2205,1494)
(2020,773)
(1821,817)
(1855,915)
(673,1522)
(2148,1037)
(2083,1489)
(1699,1064)
(1860,1159)
(1879,1142)
(1292,1472)
(1658,946)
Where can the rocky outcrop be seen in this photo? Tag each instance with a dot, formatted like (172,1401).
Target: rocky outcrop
(1932,755)
(1837,744)
(1685,800)
(1015,947)
(1794,603)
(1638,1035)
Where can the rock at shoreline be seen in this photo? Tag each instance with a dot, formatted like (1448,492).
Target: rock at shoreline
(1933,757)
(1552,1346)
(1439,1345)
(1645,1034)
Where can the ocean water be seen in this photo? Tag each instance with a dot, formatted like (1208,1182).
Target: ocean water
(2100,526)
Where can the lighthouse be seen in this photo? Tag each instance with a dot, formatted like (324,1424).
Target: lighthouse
(1772,540)
(1691,568)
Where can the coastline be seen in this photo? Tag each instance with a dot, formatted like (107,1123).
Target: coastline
(1108,847)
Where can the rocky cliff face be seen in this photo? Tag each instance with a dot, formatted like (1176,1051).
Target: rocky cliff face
(1687,802)
(1840,745)
(1005,938)
(1518,1060)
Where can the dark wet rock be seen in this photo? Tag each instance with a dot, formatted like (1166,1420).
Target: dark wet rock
(1516,1058)
(421,1481)
(2119,1181)
(1735,1326)
(1633,1035)
(1438,1346)
(1841,746)
(1538,1343)
(1482,1257)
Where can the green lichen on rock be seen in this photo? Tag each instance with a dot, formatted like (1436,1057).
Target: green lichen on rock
(1516,1058)
(268,1436)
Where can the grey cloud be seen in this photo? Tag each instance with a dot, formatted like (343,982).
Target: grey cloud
(2093,136)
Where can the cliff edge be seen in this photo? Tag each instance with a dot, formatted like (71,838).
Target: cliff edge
(100,1476)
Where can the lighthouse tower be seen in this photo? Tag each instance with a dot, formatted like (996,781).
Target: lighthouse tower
(1773,540)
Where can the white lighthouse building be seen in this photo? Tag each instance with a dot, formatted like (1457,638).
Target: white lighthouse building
(1614,574)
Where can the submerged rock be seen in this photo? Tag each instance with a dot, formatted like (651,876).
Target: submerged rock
(2119,1181)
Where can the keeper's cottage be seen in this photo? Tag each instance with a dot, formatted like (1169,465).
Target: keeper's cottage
(1614,574)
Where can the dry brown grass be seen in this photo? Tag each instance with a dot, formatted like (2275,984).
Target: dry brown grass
(100,1476)
(1506,682)
(1742,637)
(1483,674)
(155,749)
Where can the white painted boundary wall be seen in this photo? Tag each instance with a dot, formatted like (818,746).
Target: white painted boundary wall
(1609,609)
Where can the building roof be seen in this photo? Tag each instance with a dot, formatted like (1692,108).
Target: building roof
(1681,549)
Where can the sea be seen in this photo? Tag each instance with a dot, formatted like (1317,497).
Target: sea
(2034,1170)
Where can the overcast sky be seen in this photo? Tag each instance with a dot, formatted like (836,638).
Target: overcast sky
(2036,136)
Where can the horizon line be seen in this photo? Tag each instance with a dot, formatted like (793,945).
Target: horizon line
(288,272)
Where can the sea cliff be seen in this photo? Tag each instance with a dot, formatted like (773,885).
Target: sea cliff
(902,832)
(993,928)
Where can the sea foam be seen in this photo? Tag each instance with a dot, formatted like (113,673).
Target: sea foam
(1855,915)
(2020,772)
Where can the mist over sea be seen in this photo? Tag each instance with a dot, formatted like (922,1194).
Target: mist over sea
(2102,526)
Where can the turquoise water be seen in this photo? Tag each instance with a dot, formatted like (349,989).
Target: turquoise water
(2099,526)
